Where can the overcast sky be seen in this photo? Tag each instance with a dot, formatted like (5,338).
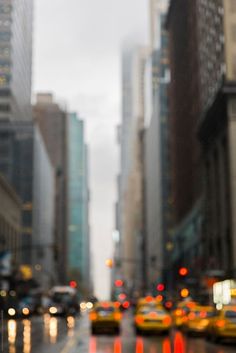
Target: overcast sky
(77,45)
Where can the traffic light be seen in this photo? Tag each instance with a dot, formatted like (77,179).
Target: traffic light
(160,287)
(119,283)
(73,284)
(184,293)
(183,271)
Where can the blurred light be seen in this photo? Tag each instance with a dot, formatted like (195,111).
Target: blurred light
(139,345)
(119,283)
(27,336)
(169,305)
(203,314)
(219,306)
(83,306)
(38,267)
(93,316)
(118,316)
(92,345)
(160,287)
(122,296)
(183,271)
(12,293)
(89,305)
(184,293)
(117,345)
(70,322)
(117,304)
(126,304)
(149,299)
(53,310)
(139,319)
(191,316)
(11,312)
(11,326)
(25,311)
(166,347)
(167,320)
(179,346)
(220,323)
(109,263)
(73,284)
(159,298)
(53,329)
(3,293)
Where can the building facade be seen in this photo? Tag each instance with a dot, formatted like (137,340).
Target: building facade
(217,132)
(131,220)
(10,228)
(15,59)
(25,165)
(52,121)
(78,205)
(185,108)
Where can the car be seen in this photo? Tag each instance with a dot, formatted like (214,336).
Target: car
(224,324)
(62,301)
(105,316)
(152,319)
(198,319)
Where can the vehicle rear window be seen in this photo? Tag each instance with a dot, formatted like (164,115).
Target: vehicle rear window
(108,309)
(230,314)
(146,311)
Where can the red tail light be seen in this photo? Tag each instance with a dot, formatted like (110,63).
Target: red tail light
(126,305)
(220,323)
(203,314)
(167,320)
(139,319)
(191,316)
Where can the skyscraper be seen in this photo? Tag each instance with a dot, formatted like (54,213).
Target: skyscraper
(15,59)
(78,199)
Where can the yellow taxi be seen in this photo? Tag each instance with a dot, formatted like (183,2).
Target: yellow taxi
(198,319)
(152,319)
(224,324)
(105,316)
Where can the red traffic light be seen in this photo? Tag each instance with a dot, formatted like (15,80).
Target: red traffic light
(160,287)
(73,284)
(119,283)
(183,271)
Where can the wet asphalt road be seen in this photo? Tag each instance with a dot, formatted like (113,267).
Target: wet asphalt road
(60,335)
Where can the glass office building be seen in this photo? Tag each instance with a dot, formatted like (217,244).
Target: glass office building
(15,59)
(78,198)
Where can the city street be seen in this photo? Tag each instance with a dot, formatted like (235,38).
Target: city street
(50,334)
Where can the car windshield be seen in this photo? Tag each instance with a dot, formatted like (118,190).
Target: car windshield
(61,298)
(230,314)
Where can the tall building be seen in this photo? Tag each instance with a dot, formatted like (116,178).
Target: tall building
(203,47)
(16,19)
(52,121)
(78,205)
(185,152)
(131,180)
(157,159)
(217,48)
(25,165)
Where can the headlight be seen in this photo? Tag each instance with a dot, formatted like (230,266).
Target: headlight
(11,312)
(89,305)
(53,310)
(25,311)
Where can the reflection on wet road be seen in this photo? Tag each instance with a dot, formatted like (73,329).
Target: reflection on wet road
(69,335)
